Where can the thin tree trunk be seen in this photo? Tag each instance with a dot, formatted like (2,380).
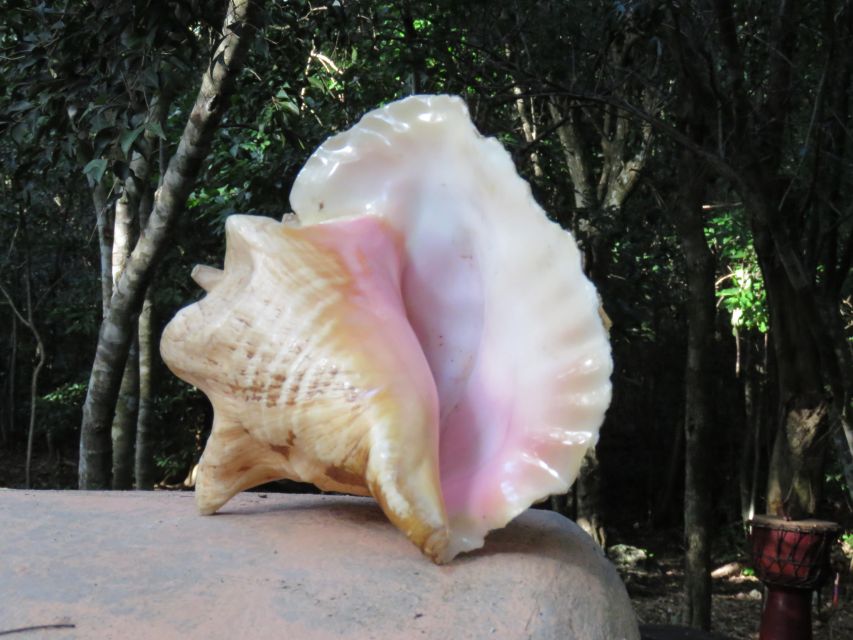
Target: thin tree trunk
(13,365)
(410,37)
(761,418)
(33,401)
(528,129)
(123,431)
(698,417)
(842,443)
(748,455)
(577,158)
(117,328)
(144,461)
(105,244)
(842,389)
(750,448)
(674,465)
(123,237)
(29,322)
(31,325)
(124,422)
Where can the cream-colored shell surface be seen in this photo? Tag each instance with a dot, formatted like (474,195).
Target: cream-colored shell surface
(303,385)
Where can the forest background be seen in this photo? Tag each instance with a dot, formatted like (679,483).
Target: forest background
(700,152)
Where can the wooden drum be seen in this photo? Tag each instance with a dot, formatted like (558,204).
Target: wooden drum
(792,553)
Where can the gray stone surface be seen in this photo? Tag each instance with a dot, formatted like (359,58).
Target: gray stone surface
(145,565)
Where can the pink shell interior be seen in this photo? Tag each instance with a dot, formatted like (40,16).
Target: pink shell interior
(495,294)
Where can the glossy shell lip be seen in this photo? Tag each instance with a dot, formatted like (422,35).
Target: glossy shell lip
(485,304)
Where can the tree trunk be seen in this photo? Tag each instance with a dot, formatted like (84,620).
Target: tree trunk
(13,365)
(28,321)
(588,494)
(842,444)
(751,448)
(576,154)
(33,402)
(698,419)
(124,422)
(795,480)
(117,328)
(123,430)
(31,325)
(123,238)
(144,448)
(796,466)
(144,462)
(416,58)
(528,129)
(841,383)
(673,466)
(105,243)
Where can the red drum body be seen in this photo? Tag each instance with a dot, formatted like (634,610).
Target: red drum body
(792,558)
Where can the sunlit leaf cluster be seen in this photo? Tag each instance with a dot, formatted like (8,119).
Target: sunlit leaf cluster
(740,288)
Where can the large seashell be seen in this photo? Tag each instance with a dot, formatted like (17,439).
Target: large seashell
(427,336)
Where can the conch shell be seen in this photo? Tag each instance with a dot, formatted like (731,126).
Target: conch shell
(422,334)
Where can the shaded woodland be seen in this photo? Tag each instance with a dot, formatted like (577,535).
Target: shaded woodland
(701,153)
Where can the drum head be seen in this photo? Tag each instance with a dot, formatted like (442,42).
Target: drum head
(808,525)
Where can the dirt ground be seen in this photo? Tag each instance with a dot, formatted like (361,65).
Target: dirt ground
(656,592)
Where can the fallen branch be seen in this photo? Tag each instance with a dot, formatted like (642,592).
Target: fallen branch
(38,627)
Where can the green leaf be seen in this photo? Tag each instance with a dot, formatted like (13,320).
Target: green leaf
(23,105)
(156,129)
(19,132)
(128,138)
(150,37)
(95,169)
(150,78)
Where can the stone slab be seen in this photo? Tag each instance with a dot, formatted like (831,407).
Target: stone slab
(145,565)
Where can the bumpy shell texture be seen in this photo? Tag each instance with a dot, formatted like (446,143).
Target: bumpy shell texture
(425,335)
